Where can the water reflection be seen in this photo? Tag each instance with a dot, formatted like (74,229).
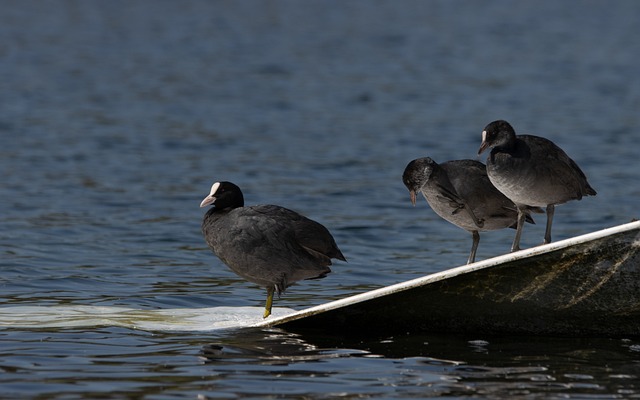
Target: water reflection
(435,365)
(271,346)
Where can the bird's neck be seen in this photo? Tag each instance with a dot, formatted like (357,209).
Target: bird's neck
(507,146)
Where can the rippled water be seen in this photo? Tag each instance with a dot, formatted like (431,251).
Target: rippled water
(116,117)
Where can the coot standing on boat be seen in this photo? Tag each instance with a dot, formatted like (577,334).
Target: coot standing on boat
(531,171)
(460,192)
(268,245)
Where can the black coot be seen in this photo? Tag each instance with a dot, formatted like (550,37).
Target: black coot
(460,192)
(268,245)
(531,171)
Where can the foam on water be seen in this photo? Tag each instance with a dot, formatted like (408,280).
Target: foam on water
(174,319)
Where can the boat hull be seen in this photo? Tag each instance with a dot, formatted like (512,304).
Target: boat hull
(583,286)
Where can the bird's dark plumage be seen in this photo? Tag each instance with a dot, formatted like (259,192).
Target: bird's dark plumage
(460,192)
(531,171)
(268,245)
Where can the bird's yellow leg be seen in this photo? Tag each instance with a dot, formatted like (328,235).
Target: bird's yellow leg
(267,307)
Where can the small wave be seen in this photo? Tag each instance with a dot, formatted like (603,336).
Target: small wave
(174,319)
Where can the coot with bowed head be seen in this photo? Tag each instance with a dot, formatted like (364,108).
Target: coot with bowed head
(531,171)
(268,245)
(460,192)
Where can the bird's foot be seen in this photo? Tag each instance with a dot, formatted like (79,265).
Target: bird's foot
(267,307)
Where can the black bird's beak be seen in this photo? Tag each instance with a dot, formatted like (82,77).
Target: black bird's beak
(207,200)
(484,144)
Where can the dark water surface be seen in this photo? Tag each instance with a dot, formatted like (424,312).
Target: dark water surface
(117,116)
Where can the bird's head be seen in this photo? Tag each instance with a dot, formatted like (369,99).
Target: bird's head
(416,174)
(224,195)
(497,134)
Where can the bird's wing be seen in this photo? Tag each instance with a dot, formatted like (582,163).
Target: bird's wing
(311,235)
(457,203)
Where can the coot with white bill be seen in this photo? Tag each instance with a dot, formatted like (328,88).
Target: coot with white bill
(531,171)
(268,245)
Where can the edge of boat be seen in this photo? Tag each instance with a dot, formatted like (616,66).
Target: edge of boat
(542,269)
